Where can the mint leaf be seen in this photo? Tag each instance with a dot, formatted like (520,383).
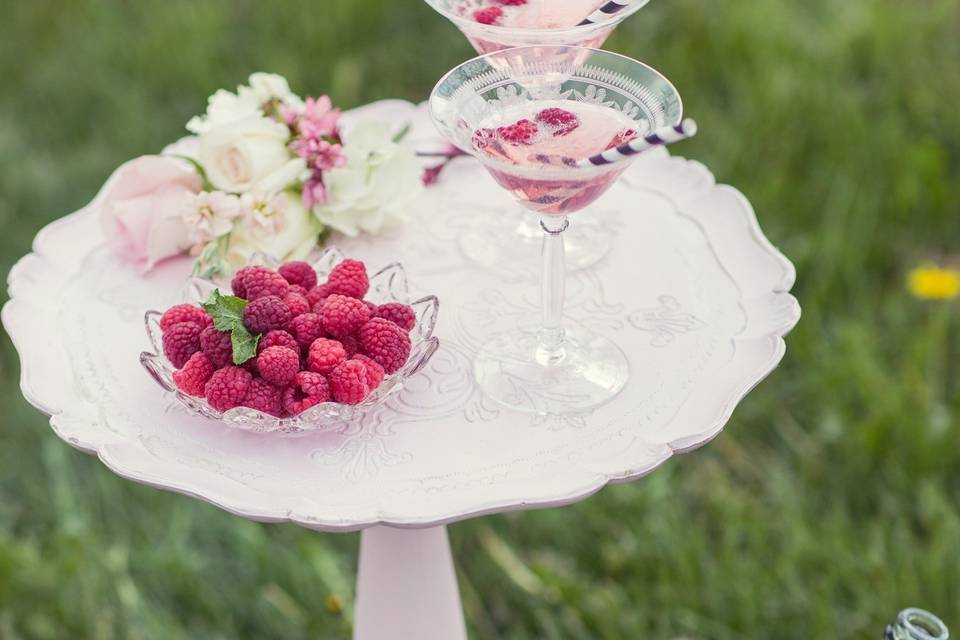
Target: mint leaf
(226,311)
(227,314)
(244,344)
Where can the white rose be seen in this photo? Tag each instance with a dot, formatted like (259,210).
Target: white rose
(293,239)
(376,185)
(249,154)
(224,107)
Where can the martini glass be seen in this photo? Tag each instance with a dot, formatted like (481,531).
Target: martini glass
(503,243)
(527,114)
(534,22)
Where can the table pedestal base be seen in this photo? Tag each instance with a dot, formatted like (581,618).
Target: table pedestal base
(407,587)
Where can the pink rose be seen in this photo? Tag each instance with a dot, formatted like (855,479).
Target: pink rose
(140,209)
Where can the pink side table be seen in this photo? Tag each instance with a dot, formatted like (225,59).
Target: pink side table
(692,291)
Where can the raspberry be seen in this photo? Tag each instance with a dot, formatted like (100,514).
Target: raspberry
(299,273)
(371,306)
(325,355)
(308,389)
(306,328)
(277,338)
(386,343)
(521,132)
(227,387)
(295,288)
(278,365)
(349,278)
(512,3)
(180,342)
(375,372)
(263,396)
(399,314)
(318,294)
(490,15)
(483,137)
(184,313)
(342,315)
(348,382)
(560,120)
(217,346)
(260,281)
(350,345)
(297,303)
(236,284)
(266,313)
(621,138)
(192,378)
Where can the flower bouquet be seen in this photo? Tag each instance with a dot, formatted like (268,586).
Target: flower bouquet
(263,171)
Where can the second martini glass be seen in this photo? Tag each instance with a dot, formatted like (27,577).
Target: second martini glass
(528,114)
(502,243)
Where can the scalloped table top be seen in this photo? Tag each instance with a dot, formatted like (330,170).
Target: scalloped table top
(692,291)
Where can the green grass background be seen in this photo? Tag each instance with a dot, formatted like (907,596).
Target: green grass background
(829,502)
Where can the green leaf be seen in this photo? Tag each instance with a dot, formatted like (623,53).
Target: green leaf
(402,133)
(205,182)
(227,314)
(244,344)
(226,311)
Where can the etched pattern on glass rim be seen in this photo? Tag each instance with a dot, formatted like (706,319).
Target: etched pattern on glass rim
(475,102)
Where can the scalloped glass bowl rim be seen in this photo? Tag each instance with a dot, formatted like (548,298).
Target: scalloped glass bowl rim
(389,284)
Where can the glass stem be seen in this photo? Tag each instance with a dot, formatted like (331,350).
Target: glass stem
(551,335)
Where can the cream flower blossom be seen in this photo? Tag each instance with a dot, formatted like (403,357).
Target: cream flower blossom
(265,211)
(266,87)
(224,107)
(292,240)
(210,215)
(379,181)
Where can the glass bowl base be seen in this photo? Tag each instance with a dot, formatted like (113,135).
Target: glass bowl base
(515,371)
(510,243)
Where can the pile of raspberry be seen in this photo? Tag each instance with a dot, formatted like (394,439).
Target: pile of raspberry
(493,12)
(318,342)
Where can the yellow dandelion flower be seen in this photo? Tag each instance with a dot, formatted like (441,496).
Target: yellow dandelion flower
(931,282)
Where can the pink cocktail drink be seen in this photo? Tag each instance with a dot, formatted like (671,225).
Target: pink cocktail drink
(541,142)
(492,25)
(528,14)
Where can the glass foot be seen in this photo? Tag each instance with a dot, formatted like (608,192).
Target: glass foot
(515,371)
(510,243)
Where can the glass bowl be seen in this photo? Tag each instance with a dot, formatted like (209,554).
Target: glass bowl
(389,284)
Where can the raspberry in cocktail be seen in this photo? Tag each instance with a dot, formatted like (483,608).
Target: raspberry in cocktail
(536,117)
(541,140)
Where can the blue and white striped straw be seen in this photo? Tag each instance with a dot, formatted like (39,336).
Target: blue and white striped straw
(606,11)
(662,136)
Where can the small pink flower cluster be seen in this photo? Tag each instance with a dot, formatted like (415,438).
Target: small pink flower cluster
(316,139)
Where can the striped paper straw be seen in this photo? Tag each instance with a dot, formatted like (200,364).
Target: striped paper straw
(608,9)
(664,135)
